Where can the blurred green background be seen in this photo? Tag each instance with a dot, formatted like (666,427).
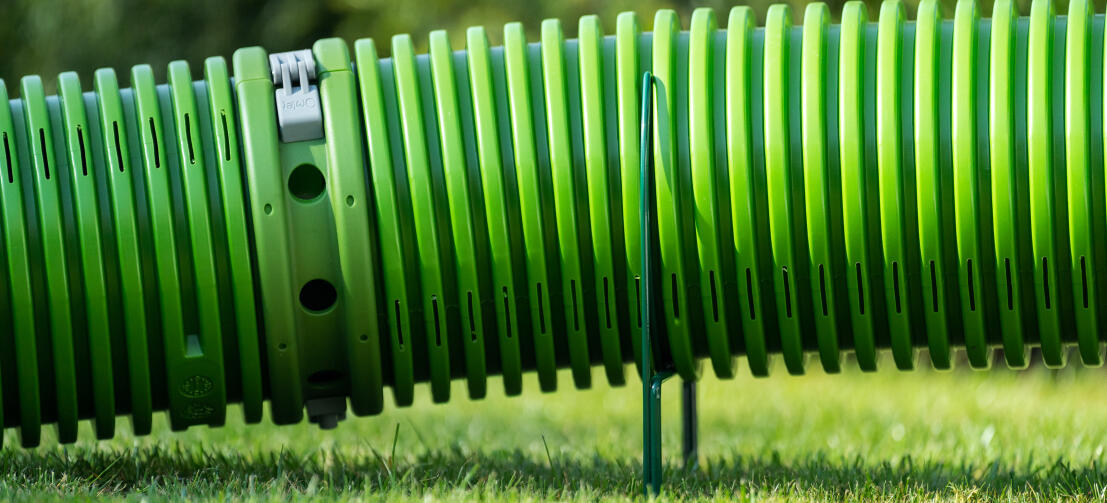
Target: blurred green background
(46,37)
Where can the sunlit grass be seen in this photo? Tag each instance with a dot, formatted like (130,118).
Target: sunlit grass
(924,435)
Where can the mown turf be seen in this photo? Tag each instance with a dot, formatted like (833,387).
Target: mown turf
(1029,436)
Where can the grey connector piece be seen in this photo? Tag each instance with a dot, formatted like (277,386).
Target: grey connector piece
(299,112)
(326,412)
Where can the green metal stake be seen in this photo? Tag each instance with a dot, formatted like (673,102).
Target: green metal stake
(690,425)
(651,380)
(651,383)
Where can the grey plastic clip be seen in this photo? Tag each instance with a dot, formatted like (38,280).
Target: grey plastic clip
(299,112)
(326,412)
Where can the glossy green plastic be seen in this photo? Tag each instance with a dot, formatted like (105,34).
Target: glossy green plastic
(829,187)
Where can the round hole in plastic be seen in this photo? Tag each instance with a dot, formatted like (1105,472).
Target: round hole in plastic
(318,295)
(306,183)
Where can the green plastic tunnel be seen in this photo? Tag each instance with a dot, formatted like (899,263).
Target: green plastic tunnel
(821,188)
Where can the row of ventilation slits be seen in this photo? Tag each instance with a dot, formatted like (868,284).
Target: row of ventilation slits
(929,183)
(127,286)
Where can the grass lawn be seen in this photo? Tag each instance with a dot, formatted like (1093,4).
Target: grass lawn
(925,435)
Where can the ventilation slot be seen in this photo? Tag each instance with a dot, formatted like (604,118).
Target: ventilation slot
(226,136)
(437,323)
(606,303)
(118,148)
(822,290)
(573,293)
(507,313)
(188,140)
(933,287)
(399,325)
(1084,280)
(860,289)
(472,320)
(84,159)
(895,285)
(972,286)
(749,294)
(541,311)
(676,300)
(8,158)
(787,293)
(154,136)
(45,160)
(1010,288)
(714,297)
(1045,281)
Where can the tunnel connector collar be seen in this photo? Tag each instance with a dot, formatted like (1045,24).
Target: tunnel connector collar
(299,111)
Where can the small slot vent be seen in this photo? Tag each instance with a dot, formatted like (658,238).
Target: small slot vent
(1010,288)
(437,322)
(399,325)
(541,311)
(573,294)
(1045,282)
(895,286)
(676,299)
(226,136)
(84,156)
(118,147)
(472,319)
(972,285)
(45,156)
(714,297)
(860,288)
(606,303)
(154,138)
(749,294)
(507,313)
(787,293)
(188,140)
(1084,280)
(8,159)
(822,289)
(933,287)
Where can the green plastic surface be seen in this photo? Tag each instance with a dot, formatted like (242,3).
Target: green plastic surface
(825,188)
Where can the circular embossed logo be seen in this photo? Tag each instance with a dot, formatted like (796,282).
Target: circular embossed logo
(196,386)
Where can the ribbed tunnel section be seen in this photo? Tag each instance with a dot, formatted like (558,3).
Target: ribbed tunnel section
(473,210)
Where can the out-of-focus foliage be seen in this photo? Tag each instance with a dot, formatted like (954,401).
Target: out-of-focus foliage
(46,37)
